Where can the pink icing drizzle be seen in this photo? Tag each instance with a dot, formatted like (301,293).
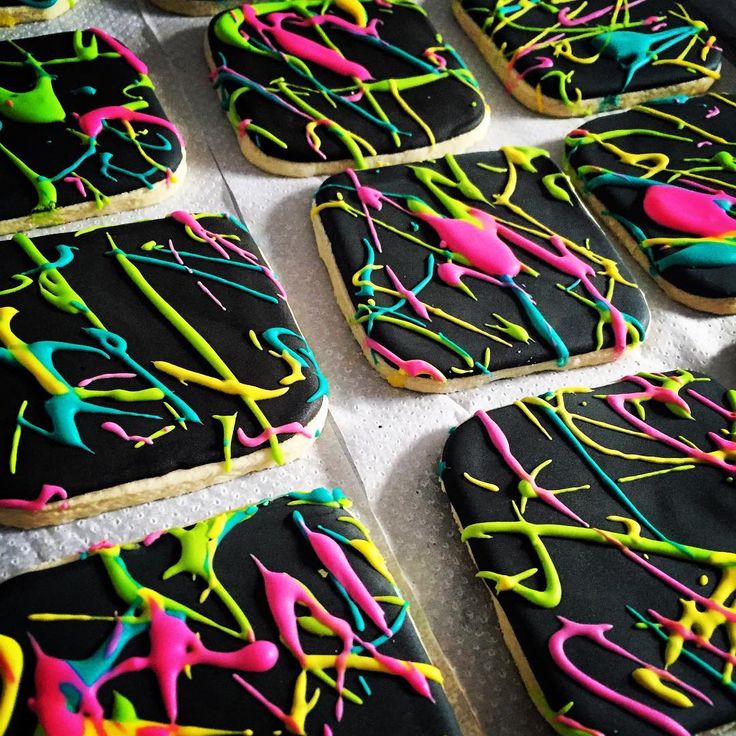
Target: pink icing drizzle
(330,554)
(291,428)
(102,376)
(91,122)
(174,647)
(501,443)
(368,197)
(597,634)
(116,429)
(483,247)
(124,51)
(47,494)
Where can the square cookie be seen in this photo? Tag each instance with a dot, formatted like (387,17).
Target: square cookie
(662,179)
(143,361)
(275,618)
(24,11)
(576,58)
(81,131)
(455,272)
(314,87)
(602,521)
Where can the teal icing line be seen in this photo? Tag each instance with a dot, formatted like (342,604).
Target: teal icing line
(608,481)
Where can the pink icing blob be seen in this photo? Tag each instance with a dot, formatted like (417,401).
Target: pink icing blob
(368,197)
(695,213)
(102,376)
(174,647)
(409,295)
(479,243)
(665,396)
(224,246)
(689,635)
(116,429)
(77,182)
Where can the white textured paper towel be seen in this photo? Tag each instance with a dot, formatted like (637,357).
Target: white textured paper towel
(380,444)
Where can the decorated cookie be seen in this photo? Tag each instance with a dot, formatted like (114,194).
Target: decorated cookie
(576,58)
(314,87)
(143,361)
(276,618)
(663,180)
(603,523)
(81,131)
(456,272)
(23,11)
(196,7)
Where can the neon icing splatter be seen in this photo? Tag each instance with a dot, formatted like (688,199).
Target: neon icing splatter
(305,82)
(583,56)
(670,197)
(606,537)
(213,629)
(119,368)
(476,264)
(79,125)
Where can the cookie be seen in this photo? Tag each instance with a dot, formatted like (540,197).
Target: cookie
(24,11)
(662,179)
(275,618)
(576,58)
(143,361)
(602,521)
(456,272)
(81,131)
(195,7)
(314,88)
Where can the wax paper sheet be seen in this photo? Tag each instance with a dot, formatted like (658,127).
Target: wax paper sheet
(380,444)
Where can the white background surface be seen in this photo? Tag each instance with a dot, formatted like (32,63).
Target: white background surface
(379,443)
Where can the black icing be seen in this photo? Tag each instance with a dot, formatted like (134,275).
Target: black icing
(50,148)
(606,77)
(211,698)
(100,281)
(693,507)
(574,321)
(449,106)
(684,155)
(719,17)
